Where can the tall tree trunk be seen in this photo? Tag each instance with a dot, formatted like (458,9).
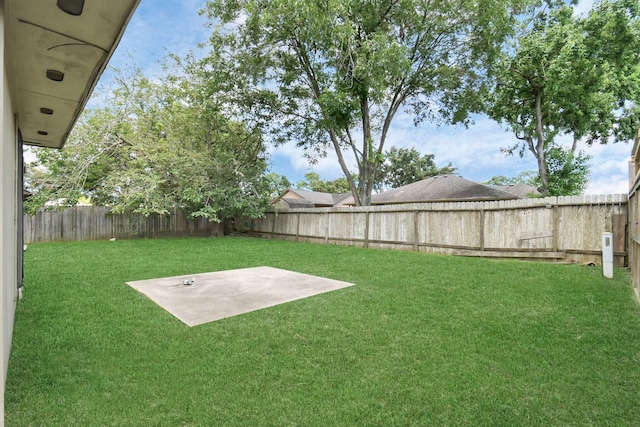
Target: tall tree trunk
(304,59)
(539,150)
(366,172)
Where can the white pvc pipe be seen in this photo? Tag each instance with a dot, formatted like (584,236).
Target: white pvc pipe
(607,254)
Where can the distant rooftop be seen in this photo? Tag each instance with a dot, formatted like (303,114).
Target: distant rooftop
(521,190)
(441,188)
(296,198)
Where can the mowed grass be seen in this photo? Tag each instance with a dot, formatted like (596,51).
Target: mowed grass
(420,340)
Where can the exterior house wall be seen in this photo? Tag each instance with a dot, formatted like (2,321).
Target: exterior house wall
(30,30)
(8,215)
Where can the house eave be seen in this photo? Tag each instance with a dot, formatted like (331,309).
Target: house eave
(39,36)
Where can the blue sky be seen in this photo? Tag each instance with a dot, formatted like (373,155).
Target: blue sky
(161,26)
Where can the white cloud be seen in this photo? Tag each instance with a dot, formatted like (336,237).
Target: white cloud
(154,31)
(615,184)
(609,168)
(474,151)
(289,160)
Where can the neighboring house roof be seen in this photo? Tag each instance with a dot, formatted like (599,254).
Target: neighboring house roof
(521,190)
(441,188)
(285,203)
(295,198)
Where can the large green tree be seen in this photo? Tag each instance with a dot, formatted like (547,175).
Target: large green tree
(158,145)
(568,172)
(529,177)
(567,176)
(568,75)
(333,74)
(276,184)
(313,182)
(404,166)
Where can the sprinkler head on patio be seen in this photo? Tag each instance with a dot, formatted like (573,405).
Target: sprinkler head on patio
(229,293)
(189,282)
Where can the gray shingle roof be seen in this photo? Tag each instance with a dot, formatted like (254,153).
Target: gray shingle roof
(315,197)
(520,190)
(310,199)
(296,203)
(319,198)
(441,188)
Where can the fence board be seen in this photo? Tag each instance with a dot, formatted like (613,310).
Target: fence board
(534,228)
(456,228)
(95,222)
(506,229)
(567,228)
(347,225)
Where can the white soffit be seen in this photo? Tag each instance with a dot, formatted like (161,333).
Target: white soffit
(39,36)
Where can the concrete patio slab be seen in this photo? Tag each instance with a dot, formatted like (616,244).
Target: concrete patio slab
(221,294)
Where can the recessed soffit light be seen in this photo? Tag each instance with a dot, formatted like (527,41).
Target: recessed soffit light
(72,7)
(55,75)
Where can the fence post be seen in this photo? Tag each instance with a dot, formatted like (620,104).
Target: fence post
(298,229)
(273,224)
(366,229)
(416,242)
(556,227)
(482,215)
(327,219)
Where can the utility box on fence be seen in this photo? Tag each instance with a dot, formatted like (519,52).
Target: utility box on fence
(607,254)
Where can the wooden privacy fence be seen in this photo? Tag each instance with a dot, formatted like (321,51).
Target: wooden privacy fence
(96,222)
(558,228)
(634,215)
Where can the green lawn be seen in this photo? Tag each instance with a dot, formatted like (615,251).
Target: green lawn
(420,340)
